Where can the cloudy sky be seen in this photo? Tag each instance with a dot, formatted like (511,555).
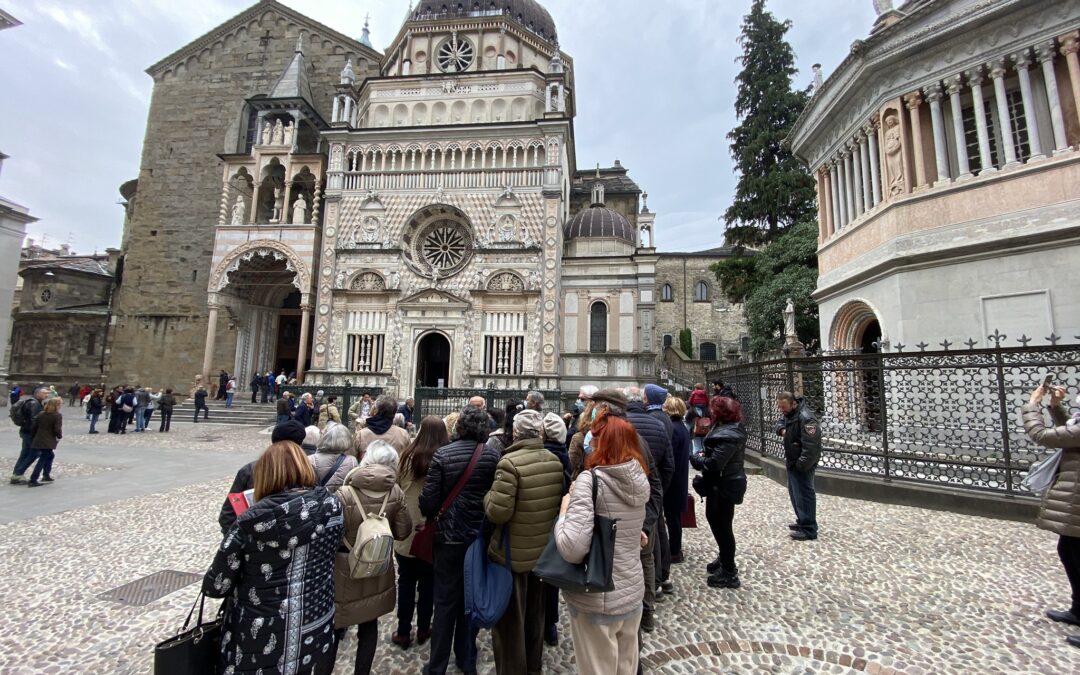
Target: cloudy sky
(655,89)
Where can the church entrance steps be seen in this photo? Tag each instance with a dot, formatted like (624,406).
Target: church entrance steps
(241,413)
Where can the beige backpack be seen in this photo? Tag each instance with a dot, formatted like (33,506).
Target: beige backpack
(371,553)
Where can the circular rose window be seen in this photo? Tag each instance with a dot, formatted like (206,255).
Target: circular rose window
(455,55)
(438,242)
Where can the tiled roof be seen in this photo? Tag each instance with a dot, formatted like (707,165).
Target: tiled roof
(599,221)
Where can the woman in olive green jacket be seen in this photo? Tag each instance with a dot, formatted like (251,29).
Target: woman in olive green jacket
(1060,511)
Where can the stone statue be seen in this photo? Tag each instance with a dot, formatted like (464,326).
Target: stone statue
(279,205)
(339,280)
(299,211)
(279,134)
(882,6)
(395,280)
(289,132)
(789,321)
(238,211)
(267,130)
(434,276)
(894,159)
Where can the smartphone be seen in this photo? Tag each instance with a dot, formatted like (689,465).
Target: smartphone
(1047,381)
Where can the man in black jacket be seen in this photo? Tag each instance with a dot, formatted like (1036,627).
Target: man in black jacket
(801,431)
(458,527)
(29,411)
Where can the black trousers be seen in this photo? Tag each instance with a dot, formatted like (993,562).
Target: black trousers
(166,419)
(450,628)
(721,514)
(662,551)
(518,638)
(1069,552)
(551,606)
(367,639)
(254,394)
(673,518)
(415,592)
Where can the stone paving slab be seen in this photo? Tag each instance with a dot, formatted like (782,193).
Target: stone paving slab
(885,589)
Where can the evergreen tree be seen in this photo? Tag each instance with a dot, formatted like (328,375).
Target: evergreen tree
(774,190)
(787,268)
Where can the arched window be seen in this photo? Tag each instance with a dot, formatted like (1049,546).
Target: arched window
(669,340)
(701,292)
(666,293)
(598,327)
(708,351)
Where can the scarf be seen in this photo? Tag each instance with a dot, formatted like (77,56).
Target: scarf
(379,425)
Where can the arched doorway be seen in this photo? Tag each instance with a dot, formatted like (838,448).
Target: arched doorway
(856,393)
(869,342)
(433,361)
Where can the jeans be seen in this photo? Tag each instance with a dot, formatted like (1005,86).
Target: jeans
(166,420)
(518,638)
(229,398)
(1069,551)
(450,628)
(721,514)
(414,578)
(140,419)
(44,464)
(93,422)
(803,500)
(26,455)
(367,639)
(282,419)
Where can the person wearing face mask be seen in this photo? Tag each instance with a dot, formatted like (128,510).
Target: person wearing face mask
(581,441)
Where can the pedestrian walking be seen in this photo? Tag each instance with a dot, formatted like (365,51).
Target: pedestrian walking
(93,408)
(723,485)
(223,383)
(1060,509)
(230,392)
(370,489)
(415,580)
(277,560)
(523,503)
(678,492)
(802,450)
(200,403)
(73,395)
(27,411)
(165,410)
(457,528)
(604,626)
(47,430)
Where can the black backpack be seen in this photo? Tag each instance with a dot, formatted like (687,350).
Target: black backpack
(17,411)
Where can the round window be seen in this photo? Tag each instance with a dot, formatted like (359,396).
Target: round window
(438,242)
(455,55)
(46,296)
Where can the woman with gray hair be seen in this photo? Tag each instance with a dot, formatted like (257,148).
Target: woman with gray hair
(333,458)
(370,488)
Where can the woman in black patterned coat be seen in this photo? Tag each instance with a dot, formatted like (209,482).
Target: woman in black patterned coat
(275,567)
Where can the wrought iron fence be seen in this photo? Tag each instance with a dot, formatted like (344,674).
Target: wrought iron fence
(946,418)
(443,401)
(346,394)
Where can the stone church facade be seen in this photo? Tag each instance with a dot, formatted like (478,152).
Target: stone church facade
(409,219)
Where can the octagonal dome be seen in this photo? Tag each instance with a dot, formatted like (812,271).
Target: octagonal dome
(528,13)
(598,221)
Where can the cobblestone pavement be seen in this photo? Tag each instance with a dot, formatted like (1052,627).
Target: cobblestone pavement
(884,589)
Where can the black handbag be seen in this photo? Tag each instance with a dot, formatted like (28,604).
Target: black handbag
(593,575)
(192,652)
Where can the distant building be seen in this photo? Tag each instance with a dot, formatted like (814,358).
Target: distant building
(13,221)
(944,148)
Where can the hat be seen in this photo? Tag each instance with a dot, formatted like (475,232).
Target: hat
(554,428)
(528,423)
(289,431)
(655,394)
(612,396)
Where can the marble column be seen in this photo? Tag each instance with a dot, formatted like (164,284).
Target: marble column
(822,218)
(849,186)
(211,334)
(986,159)
(857,178)
(305,328)
(913,102)
(1045,54)
(1022,60)
(941,149)
(830,224)
(864,154)
(953,85)
(1070,44)
(997,74)
(834,187)
(335,116)
(875,162)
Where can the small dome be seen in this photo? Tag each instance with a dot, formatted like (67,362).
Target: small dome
(599,221)
(528,13)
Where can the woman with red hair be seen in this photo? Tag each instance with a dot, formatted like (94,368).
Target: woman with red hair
(604,626)
(722,484)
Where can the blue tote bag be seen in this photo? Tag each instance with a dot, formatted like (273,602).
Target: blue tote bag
(488,585)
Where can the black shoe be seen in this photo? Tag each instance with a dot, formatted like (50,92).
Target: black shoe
(667,587)
(402,641)
(33,483)
(1065,616)
(46,479)
(793,526)
(422,636)
(799,535)
(722,579)
(94,432)
(1074,640)
(648,623)
(677,558)
(551,635)
(713,566)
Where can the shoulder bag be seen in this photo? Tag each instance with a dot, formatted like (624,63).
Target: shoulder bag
(488,585)
(191,652)
(423,544)
(1041,476)
(593,575)
(330,474)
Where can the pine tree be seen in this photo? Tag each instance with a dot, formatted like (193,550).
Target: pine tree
(774,190)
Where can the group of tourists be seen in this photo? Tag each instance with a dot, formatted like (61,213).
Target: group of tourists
(316,527)
(125,406)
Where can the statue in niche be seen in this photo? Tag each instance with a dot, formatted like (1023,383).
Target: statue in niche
(370,230)
(894,159)
(789,321)
(394,280)
(267,130)
(506,229)
(478,279)
(435,276)
(288,134)
(279,205)
(339,280)
(238,211)
(524,235)
(534,279)
(299,211)
(278,137)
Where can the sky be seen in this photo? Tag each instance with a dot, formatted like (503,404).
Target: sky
(655,89)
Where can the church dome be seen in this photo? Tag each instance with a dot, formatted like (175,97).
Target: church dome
(598,221)
(528,13)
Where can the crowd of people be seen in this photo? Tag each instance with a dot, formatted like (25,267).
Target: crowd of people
(514,480)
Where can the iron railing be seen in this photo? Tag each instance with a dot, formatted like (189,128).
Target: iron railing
(443,401)
(346,394)
(947,418)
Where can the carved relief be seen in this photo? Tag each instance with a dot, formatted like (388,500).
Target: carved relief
(506,282)
(368,282)
(894,156)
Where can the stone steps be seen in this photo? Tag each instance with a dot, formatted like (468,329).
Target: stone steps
(241,413)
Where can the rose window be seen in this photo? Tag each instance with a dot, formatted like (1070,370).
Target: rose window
(438,241)
(455,55)
(444,246)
